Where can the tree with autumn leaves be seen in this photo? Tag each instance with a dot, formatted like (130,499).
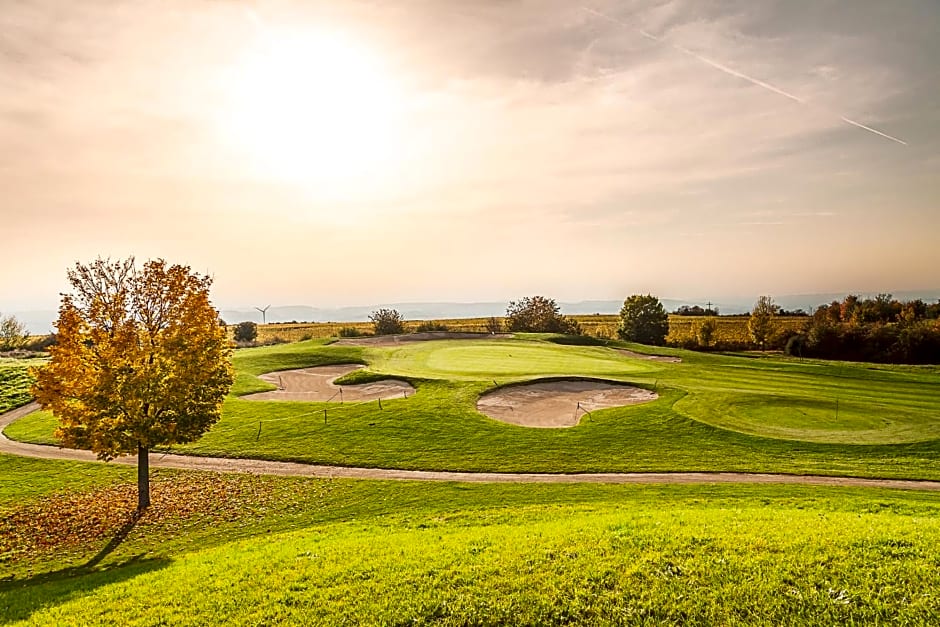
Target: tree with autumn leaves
(140,361)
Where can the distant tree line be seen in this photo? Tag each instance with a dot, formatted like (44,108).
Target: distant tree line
(880,329)
(696,310)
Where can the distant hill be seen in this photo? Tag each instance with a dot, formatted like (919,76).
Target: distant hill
(417,311)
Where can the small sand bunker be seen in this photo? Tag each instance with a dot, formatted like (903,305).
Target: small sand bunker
(557,403)
(317,384)
(663,358)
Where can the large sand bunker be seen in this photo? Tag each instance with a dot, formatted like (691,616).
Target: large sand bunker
(317,384)
(557,403)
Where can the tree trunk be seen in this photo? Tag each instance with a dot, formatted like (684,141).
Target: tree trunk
(143,478)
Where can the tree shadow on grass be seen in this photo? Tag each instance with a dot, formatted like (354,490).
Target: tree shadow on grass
(23,597)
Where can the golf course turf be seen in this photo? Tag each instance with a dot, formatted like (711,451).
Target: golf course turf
(248,549)
(714,413)
(244,550)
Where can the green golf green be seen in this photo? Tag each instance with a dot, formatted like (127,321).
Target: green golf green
(483,360)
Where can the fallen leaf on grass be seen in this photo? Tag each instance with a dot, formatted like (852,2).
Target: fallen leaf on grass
(66,520)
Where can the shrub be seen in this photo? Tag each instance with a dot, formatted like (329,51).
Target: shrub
(643,319)
(794,346)
(761,323)
(13,334)
(246,332)
(387,322)
(705,333)
(350,332)
(538,314)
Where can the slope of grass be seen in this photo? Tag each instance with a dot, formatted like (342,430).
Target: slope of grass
(15,382)
(363,552)
(250,362)
(23,478)
(715,413)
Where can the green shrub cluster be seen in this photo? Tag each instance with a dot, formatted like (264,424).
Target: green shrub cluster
(537,314)
(387,322)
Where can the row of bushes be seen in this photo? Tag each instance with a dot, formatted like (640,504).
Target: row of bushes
(879,342)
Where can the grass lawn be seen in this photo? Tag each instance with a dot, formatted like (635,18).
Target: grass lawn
(715,413)
(269,550)
(15,382)
(245,549)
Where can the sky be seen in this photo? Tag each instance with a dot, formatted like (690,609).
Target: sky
(336,154)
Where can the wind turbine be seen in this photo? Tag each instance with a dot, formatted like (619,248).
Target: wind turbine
(264,313)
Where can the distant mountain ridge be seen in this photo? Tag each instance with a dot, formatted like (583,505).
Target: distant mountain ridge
(39,322)
(414,311)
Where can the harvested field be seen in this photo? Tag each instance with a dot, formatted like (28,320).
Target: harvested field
(318,385)
(393,340)
(557,403)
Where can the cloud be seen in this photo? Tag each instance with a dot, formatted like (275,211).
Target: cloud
(531,120)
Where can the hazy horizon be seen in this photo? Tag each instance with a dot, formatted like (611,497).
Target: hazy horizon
(43,320)
(365,152)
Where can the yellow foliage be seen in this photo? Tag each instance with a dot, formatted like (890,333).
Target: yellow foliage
(140,360)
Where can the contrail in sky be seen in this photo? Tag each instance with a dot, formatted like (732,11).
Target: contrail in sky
(732,71)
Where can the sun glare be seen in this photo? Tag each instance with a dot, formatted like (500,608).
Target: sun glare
(315,108)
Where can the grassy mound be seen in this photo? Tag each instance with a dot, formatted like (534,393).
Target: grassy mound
(15,382)
(360,552)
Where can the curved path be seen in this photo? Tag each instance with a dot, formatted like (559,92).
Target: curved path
(265,467)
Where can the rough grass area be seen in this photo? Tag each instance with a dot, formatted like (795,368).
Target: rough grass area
(15,382)
(360,552)
(715,413)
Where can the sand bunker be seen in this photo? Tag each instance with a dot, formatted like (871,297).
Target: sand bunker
(316,384)
(393,340)
(663,358)
(557,403)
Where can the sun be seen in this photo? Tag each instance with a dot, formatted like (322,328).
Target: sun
(315,108)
